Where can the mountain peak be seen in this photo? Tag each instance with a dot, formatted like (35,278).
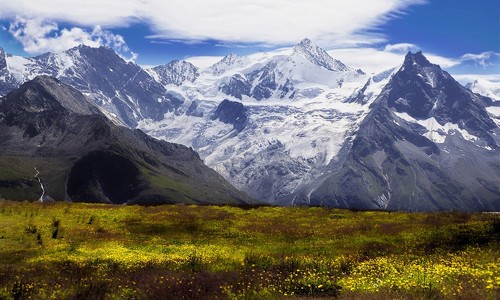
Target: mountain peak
(306,43)
(318,56)
(416,58)
(176,72)
(226,63)
(230,58)
(45,93)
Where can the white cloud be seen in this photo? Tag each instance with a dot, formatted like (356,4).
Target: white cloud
(277,22)
(370,60)
(401,48)
(38,36)
(481,59)
(444,62)
(466,78)
(373,60)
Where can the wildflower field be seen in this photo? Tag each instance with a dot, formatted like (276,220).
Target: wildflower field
(90,251)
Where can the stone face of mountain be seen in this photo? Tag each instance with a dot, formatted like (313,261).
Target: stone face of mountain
(233,113)
(237,86)
(49,127)
(176,72)
(123,90)
(7,81)
(427,144)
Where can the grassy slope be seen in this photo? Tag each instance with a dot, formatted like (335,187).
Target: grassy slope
(73,251)
(17,181)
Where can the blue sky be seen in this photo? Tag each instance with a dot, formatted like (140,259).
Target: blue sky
(463,36)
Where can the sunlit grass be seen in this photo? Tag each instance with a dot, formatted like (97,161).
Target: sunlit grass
(89,251)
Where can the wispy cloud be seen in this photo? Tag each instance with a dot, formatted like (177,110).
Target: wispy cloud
(373,60)
(484,59)
(401,48)
(466,78)
(278,22)
(38,36)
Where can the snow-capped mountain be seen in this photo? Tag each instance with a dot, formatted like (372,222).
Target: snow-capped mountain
(124,91)
(319,57)
(175,72)
(295,126)
(485,87)
(268,148)
(229,62)
(288,75)
(427,144)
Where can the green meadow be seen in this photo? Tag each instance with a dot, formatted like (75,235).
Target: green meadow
(89,251)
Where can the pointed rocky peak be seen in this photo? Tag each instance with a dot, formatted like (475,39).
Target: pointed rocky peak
(227,63)
(45,93)
(427,94)
(176,72)
(306,44)
(101,53)
(184,67)
(318,56)
(421,77)
(416,58)
(230,58)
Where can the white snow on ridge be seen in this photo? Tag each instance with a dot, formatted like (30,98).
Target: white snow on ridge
(64,62)
(437,132)
(494,112)
(292,137)
(17,66)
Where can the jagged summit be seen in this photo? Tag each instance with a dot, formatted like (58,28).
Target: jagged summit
(226,63)
(318,56)
(306,44)
(230,58)
(176,72)
(417,58)
(423,91)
